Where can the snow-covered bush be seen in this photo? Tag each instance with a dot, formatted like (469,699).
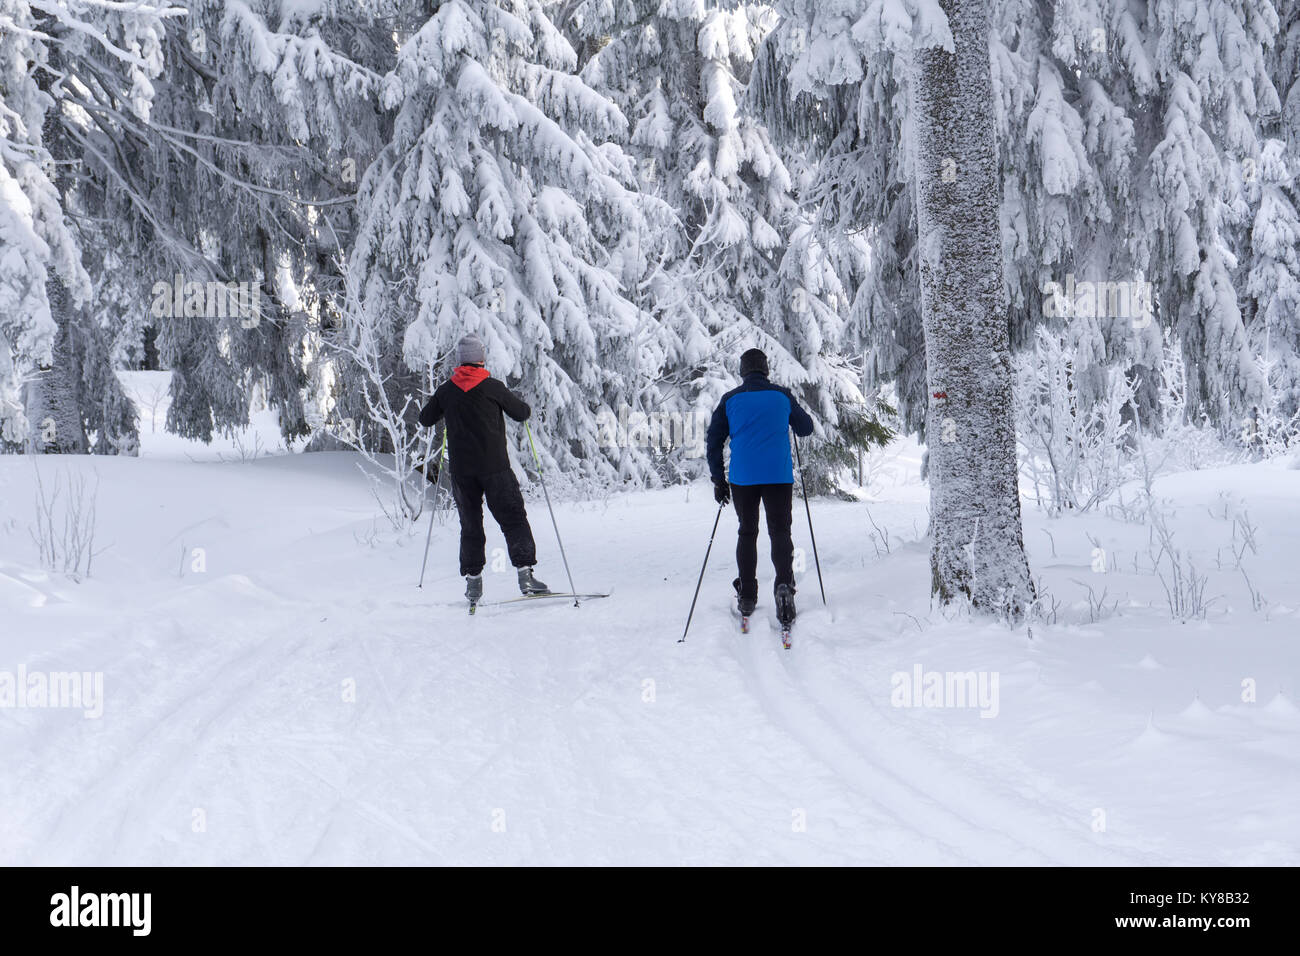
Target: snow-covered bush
(394,451)
(1184,438)
(1269,431)
(1073,450)
(1184,584)
(64,531)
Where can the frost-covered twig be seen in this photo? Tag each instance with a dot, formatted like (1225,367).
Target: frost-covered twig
(1097,609)
(878,532)
(65,539)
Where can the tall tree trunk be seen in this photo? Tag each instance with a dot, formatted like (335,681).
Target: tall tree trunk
(978,548)
(53,406)
(52,401)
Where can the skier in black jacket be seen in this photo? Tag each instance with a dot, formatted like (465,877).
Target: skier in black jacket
(473,402)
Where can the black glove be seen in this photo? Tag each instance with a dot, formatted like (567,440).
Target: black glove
(721,492)
(430,469)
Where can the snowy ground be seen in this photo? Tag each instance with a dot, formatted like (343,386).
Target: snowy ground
(286,695)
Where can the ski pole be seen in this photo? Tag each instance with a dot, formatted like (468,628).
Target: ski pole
(554,525)
(437,486)
(816,560)
(691,614)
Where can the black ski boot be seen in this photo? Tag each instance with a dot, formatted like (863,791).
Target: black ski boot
(529,585)
(745,602)
(785,611)
(473,590)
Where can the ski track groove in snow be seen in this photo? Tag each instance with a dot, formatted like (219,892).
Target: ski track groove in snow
(980,810)
(984,826)
(367,811)
(166,750)
(794,711)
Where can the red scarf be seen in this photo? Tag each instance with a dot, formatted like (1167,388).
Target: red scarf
(467,376)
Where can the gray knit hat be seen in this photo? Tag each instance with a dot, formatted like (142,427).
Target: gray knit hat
(470,351)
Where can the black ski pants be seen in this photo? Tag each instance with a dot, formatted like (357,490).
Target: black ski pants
(776,501)
(506,503)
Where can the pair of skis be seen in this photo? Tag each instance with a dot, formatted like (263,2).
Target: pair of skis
(542,596)
(744,627)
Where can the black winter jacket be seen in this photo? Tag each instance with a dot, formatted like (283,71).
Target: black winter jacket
(473,402)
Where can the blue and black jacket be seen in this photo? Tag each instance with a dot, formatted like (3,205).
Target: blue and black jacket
(756,417)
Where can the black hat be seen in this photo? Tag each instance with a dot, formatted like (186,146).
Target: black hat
(753,361)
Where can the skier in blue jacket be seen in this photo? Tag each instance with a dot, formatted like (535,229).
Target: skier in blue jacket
(756,416)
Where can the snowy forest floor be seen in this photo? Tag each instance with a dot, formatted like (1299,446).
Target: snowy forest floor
(547,734)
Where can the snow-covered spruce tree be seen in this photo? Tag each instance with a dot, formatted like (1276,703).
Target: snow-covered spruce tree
(109,417)
(1272,262)
(831,79)
(242,176)
(615,46)
(978,549)
(72,393)
(1065,150)
(751,270)
(1208,123)
(34,238)
(502,206)
(1274,281)
(1284,67)
(1120,128)
(1141,118)
(51,403)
